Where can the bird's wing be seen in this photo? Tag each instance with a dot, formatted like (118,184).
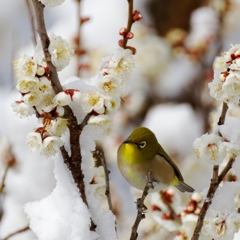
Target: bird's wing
(163,154)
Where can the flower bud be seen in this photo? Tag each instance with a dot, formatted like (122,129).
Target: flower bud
(62,99)
(120,42)
(136,16)
(123,31)
(197,197)
(129,35)
(40,70)
(197,211)
(155,208)
(60,111)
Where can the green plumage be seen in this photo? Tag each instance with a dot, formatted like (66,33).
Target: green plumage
(141,153)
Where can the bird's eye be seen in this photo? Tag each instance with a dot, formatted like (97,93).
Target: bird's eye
(142,144)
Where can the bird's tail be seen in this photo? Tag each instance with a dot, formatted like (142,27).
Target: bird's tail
(183,187)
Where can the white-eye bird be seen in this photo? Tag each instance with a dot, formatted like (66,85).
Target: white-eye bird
(139,154)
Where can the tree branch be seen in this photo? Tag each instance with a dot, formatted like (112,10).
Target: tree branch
(215,181)
(208,201)
(107,192)
(41,28)
(141,207)
(85,121)
(17,232)
(74,162)
(130,21)
(223,114)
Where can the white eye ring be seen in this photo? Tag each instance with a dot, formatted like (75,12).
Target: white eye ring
(142,144)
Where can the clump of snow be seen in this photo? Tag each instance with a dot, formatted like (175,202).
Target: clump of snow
(224,197)
(105,219)
(62,215)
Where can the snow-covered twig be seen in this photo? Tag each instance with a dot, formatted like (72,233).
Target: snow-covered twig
(215,181)
(4,178)
(141,207)
(211,191)
(17,232)
(107,192)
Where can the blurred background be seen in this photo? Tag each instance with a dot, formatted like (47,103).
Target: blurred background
(176,44)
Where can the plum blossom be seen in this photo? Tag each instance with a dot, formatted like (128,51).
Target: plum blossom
(61,52)
(62,99)
(122,62)
(221,225)
(92,102)
(34,141)
(28,84)
(25,66)
(46,103)
(22,109)
(45,84)
(109,85)
(57,126)
(32,98)
(51,145)
(210,148)
(226,83)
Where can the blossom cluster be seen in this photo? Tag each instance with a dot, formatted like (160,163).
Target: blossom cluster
(226,83)
(214,148)
(110,86)
(168,212)
(38,96)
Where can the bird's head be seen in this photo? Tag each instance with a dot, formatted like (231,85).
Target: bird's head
(145,141)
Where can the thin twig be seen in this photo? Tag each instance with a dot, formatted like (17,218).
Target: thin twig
(141,207)
(41,28)
(215,181)
(223,114)
(85,121)
(4,178)
(107,192)
(34,37)
(130,21)
(208,201)
(17,232)
(66,158)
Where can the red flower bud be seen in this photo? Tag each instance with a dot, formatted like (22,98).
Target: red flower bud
(120,42)
(155,208)
(129,35)
(136,16)
(123,31)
